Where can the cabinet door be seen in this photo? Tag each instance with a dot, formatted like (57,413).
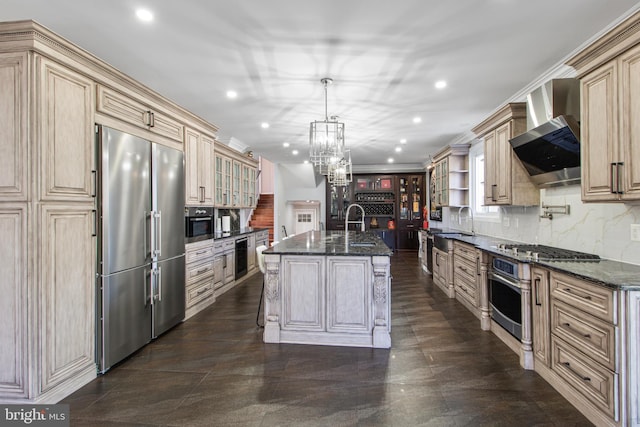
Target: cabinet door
(66,116)
(13,126)
(245,185)
(303,293)
(251,252)
(599,133)
(236,187)
(218,271)
(630,126)
(218,192)
(490,186)
(192,182)
(14,289)
(229,267)
(205,165)
(503,164)
(67,292)
(228,182)
(252,187)
(540,312)
(349,294)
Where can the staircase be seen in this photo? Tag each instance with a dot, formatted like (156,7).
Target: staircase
(262,216)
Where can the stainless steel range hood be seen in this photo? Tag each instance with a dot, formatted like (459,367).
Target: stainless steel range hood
(550,149)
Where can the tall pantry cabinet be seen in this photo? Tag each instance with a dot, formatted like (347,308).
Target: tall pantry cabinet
(47,236)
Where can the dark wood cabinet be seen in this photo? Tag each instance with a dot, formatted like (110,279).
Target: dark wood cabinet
(399,198)
(411,201)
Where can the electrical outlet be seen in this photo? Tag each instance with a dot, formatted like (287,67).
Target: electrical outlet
(635,232)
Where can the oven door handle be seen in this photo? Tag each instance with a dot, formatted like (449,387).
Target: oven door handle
(507,281)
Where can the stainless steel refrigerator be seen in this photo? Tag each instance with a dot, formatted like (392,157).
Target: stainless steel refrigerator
(141,291)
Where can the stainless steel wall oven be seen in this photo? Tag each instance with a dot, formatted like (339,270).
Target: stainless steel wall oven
(505,296)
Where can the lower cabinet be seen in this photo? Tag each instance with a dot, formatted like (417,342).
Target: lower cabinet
(441,270)
(199,291)
(466,275)
(583,336)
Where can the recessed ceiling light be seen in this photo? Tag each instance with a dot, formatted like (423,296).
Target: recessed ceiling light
(403,141)
(265,125)
(294,152)
(441,84)
(285,144)
(232,94)
(390,160)
(398,149)
(144,15)
(417,120)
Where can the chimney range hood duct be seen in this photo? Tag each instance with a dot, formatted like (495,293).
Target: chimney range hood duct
(550,149)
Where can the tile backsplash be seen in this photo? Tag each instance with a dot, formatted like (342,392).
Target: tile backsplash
(599,228)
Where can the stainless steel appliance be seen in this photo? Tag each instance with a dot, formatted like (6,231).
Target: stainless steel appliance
(198,223)
(505,294)
(241,257)
(140,243)
(550,149)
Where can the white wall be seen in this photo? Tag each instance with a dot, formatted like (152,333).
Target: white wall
(295,182)
(598,228)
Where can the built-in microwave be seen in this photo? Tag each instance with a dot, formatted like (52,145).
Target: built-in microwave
(199,222)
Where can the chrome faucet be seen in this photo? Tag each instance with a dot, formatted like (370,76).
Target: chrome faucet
(346,218)
(470,214)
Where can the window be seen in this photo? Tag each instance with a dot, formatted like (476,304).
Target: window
(476,160)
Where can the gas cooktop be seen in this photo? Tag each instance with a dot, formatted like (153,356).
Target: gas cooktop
(546,253)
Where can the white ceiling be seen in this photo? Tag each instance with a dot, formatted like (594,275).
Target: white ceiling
(384,58)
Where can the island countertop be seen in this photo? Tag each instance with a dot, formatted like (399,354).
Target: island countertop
(350,243)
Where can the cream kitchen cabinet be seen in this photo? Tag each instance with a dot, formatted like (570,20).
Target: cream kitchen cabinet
(47,222)
(506,180)
(610,132)
(199,168)
(138,113)
(451,176)
(541,313)
(441,270)
(199,280)
(235,179)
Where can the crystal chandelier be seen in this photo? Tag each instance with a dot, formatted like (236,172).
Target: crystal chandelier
(339,172)
(326,139)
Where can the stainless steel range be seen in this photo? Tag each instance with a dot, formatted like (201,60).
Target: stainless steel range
(510,288)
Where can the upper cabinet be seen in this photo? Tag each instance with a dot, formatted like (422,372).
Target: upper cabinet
(235,177)
(450,176)
(506,180)
(137,113)
(609,72)
(198,168)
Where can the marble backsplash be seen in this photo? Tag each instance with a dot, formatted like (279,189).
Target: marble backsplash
(599,228)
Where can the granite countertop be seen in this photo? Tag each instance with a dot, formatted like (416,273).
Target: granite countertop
(610,273)
(221,235)
(351,243)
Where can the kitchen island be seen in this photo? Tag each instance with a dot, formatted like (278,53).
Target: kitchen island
(328,288)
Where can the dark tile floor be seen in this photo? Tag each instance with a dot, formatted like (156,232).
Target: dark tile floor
(214,370)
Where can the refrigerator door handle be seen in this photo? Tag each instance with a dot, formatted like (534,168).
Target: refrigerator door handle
(148,216)
(148,296)
(157,251)
(159,283)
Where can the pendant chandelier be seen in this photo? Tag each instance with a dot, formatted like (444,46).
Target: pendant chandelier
(326,145)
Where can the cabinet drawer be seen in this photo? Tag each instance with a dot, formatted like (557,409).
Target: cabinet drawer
(228,244)
(199,292)
(464,251)
(595,382)
(592,336)
(467,292)
(596,300)
(464,270)
(199,253)
(136,113)
(198,272)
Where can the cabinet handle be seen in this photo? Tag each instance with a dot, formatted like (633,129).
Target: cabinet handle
(494,188)
(612,178)
(583,378)
(478,266)
(95,222)
(587,297)
(94,183)
(203,270)
(437,259)
(619,176)
(537,286)
(152,119)
(568,326)
(202,252)
(202,291)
